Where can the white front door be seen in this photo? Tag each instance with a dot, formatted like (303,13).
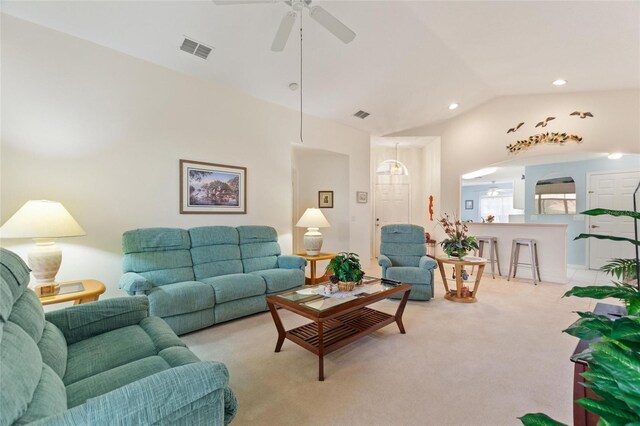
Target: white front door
(611,191)
(392,206)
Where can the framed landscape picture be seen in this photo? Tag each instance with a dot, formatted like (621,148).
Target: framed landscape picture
(209,188)
(325,199)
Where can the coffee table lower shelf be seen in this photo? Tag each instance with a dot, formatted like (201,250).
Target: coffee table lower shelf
(339,331)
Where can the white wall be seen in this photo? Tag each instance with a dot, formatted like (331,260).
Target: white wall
(478,138)
(319,170)
(102,132)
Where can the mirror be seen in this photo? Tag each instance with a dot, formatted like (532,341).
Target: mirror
(556,196)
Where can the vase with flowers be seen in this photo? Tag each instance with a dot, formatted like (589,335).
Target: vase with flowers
(458,243)
(490,218)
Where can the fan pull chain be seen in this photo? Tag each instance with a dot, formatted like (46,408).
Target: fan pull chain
(301,139)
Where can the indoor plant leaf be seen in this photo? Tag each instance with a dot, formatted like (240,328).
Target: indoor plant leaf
(603,292)
(600,212)
(539,419)
(605,410)
(626,328)
(607,237)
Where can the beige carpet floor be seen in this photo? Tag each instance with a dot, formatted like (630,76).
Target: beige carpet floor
(459,364)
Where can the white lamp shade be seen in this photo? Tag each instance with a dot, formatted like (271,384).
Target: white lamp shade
(41,219)
(313,218)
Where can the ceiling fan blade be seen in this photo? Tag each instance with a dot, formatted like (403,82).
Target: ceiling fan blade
(332,24)
(233,2)
(282,35)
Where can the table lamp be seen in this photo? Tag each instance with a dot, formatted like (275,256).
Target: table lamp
(43,221)
(312,219)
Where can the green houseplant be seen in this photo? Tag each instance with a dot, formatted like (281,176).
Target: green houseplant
(614,359)
(457,243)
(346,268)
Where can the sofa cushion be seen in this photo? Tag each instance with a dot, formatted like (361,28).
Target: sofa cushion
(409,274)
(14,278)
(21,365)
(106,381)
(278,280)
(160,333)
(27,314)
(154,240)
(161,255)
(49,398)
(180,298)
(259,247)
(236,286)
(106,351)
(162,267)
(53,348)
(215,251)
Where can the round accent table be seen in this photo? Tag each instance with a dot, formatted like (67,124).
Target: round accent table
(458,295)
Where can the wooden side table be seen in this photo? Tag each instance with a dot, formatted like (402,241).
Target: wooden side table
(92,291)
(313,280)
(456,295)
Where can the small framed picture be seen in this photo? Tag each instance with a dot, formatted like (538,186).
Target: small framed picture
(468,204)
(362,197)
(212,188)
(325,199)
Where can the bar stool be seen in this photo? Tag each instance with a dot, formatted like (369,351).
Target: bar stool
(515,257)
(493,252)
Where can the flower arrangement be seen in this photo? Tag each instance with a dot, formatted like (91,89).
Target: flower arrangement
(490,218)
(458,242)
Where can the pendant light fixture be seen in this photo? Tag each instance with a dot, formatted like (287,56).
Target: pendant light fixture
(392,167)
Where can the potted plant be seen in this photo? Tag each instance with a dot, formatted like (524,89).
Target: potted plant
(346,270)
(457,243)
(614,354)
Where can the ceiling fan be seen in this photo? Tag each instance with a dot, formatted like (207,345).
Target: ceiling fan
(317,13)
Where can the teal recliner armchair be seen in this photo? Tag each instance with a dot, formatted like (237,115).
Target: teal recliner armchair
(403,258)
(101,363)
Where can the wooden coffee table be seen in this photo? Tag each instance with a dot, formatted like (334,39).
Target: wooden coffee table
(335,322)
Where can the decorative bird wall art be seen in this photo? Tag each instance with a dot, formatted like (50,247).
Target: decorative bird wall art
(545,122)
(554,138)
(582,115)
(515,129)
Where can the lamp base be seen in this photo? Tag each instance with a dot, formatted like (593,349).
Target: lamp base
(44,260)
(312,241)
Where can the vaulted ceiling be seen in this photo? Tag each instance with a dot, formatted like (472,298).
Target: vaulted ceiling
(409,61)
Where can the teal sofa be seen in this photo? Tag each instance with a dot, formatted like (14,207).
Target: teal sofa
(101,363)
(403,258)
(207,275)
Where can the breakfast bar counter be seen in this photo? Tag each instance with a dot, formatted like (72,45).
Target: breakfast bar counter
(552,246)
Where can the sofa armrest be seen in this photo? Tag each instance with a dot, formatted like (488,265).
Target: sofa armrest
(193,393)
(292,262)
(384,261)
(427,262)
(134,284)
(83,321)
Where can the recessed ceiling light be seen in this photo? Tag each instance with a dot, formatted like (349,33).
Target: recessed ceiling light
(453,106)
(480,173)
(615,156)
(559,82)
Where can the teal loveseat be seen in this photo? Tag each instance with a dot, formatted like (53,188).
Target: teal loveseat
(403,258)
(207,275)
(102,363)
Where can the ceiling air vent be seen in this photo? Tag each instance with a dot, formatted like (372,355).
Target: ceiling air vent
(195,48)
(361,114)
